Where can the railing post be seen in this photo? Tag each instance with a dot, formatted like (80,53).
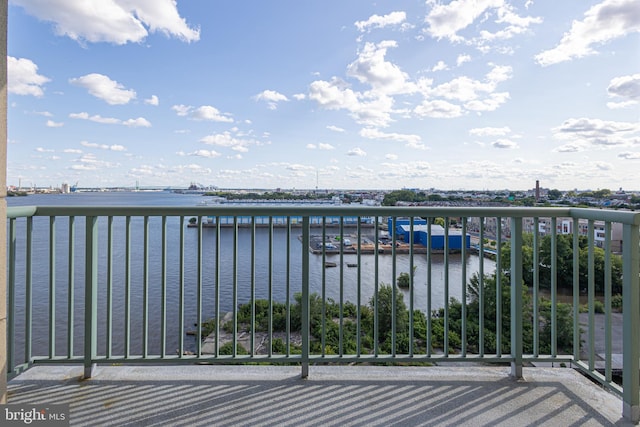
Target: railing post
(90,295)
(516,297)
(304,302)
(631,323)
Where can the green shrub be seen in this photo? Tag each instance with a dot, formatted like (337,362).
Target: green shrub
(278,346)
(616,302)
(227,349)
(598,307)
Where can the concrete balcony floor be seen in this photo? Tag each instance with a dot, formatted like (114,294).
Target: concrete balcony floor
(332,395)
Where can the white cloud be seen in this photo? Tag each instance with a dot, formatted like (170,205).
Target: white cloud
(490,131)
(136,123)
(621,105)
(335,128)
(383,76)
(114,147)
(104,88)
(202,113)
(372,133)
(336,95)
(438,109)
(271,97)
(515,25)
(625,87)
(211,154)
(596,132)
(416,145)
(602,23)
(44,150)
(72,151)
(113,21)
(462,59)
(627,155)
(299,96)
(325,146)
(226,139)
(377,21)
(440,66)
(23,77)
(152,101)
(445,20)
(321,146)
(504,143)
(391,156)
(139,122)
(356,152)
(52,124)
(95,118)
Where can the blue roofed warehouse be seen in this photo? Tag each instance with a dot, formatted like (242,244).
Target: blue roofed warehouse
(420,234)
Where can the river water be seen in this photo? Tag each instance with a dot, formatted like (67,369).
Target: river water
(270,272)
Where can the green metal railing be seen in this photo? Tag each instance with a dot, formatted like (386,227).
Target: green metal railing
(111,285)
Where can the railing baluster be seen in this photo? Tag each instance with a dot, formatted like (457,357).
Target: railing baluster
(52,287)
(341,281)
(90,295)
(591,295)
(576,290)
(411,271)
(199,260)
(359,290)
(324,285)
(270,284)
(536,286)
(376,289)
(11,295)
(28,293)
(554,288)
(499,287)
(463,291)
(429,287)
(71,288)
(181,266)
(218,317)
(394,274)
(145,290)
(252,297)
(516,297)
(163,291)
(607,300)
(235,288)
(446,290)
(127,289)
(304,301)
(631,323)
(109,337)
(480,290)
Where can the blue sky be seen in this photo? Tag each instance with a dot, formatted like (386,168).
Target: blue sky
(463,94)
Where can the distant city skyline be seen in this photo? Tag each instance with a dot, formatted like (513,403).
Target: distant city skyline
(454,95)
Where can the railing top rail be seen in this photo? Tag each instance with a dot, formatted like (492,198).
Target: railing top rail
(626,217)
(21,211)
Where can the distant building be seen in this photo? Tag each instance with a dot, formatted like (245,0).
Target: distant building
(421,234)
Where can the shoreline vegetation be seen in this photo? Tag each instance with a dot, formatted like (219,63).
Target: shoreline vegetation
(331,316)
(344,327)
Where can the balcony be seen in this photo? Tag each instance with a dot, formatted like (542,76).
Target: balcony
(132,299)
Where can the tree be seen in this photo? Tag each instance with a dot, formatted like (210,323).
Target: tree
(564,263)
(383,303)
(554,194)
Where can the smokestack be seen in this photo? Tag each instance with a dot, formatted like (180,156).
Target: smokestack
(537,190)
